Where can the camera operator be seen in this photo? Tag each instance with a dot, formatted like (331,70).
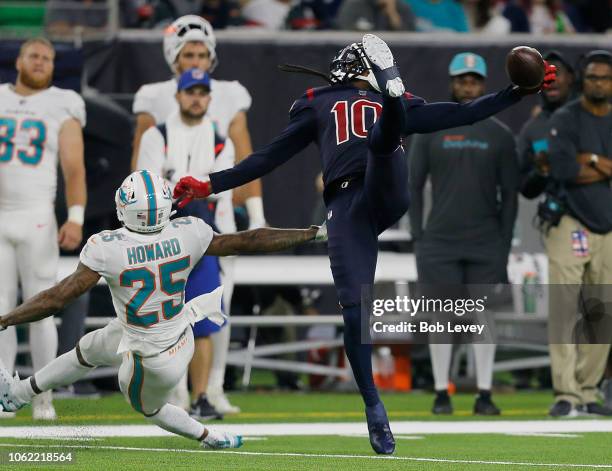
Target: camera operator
(579,246)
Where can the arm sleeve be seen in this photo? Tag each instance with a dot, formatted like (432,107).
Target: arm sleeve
(75,108)
(295,137)
(92,255)
(151,152)
(531,184)
(424,117)
(143,101)
(508,177)
(419,169)
(563,147)
(204,233)
(241,97)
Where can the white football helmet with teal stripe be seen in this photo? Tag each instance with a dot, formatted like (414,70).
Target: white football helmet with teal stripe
(144,202)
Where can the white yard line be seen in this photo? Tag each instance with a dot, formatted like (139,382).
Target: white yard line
(330,428)
(551,435)
(313,455)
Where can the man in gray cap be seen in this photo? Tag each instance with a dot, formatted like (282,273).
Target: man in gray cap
(468,234)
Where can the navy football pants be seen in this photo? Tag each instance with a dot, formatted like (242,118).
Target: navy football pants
(358,212)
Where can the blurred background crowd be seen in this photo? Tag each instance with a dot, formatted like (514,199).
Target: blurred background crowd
(461,16)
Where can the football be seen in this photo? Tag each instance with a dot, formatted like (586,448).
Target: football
(525,67)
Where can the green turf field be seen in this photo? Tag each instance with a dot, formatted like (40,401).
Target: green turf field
(415,450)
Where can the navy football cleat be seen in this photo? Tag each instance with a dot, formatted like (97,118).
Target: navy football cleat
(381,438)
(383,66)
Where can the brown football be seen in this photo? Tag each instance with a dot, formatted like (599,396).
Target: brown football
(525,67)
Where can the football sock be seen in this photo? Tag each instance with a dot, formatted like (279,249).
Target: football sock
(359,355)
(385,136)
(64,370)
(8,348)
(441,354)
(220,344)
(484,354)
(176,420)
(43,342)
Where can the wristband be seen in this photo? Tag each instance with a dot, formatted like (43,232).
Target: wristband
(254,206)
(76,214)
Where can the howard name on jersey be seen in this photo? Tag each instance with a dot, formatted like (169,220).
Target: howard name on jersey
(146,274)
(29,132)
(227,99)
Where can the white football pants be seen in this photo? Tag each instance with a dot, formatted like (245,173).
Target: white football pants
(29,255)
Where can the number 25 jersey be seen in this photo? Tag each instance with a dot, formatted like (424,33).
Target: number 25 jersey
(29,132)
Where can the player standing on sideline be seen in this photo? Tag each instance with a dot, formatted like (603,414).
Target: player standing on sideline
(474,176)
(365,175)
(190,42)
(187,144)
(146,264)
(38,123)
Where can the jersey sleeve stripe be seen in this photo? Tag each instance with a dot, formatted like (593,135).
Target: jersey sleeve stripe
(151,199)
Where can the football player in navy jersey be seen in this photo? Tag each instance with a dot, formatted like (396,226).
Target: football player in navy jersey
(358,122)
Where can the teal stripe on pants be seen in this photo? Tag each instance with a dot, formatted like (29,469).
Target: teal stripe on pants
(135,388)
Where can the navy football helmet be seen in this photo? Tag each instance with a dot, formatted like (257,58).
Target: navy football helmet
(351,63)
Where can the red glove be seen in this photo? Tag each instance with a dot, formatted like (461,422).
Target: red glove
(550,75)
(189,189)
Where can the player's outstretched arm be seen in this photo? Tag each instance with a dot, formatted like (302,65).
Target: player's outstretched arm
(263,240)
(430,117)
(50,301)
(300,132)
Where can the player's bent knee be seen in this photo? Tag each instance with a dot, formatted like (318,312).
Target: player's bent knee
(80,357)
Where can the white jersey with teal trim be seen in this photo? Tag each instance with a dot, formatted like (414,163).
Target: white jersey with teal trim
(146,274)
(29,132)
(227,99)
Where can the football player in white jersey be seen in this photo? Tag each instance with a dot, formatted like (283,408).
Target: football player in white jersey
(190,42)
(39,126)
(185,144)
(146,264)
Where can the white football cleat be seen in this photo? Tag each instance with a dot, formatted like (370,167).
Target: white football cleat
(9,403)
(221,440)
(383,66)
(42,407)
(222,404)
